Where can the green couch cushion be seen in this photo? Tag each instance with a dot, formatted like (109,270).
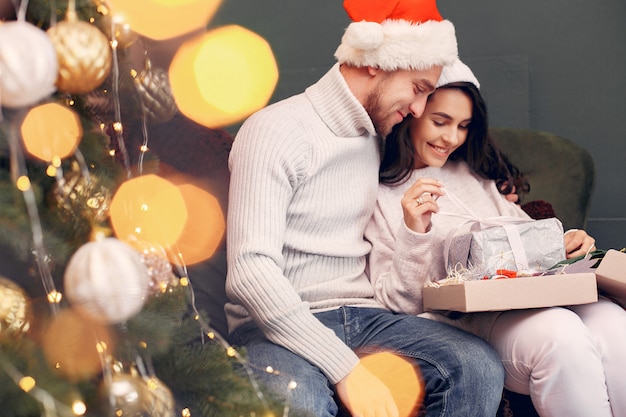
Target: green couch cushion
(559,171)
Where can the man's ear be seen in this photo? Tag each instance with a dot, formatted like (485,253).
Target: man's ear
(372,71)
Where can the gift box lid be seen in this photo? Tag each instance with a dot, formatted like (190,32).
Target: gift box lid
(611,274)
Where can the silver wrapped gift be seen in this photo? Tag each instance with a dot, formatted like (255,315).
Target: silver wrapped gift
(530,245)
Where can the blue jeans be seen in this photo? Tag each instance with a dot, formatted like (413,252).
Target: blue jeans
(463,375)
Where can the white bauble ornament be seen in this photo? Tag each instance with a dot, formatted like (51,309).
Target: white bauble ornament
(28,64)
(107,281)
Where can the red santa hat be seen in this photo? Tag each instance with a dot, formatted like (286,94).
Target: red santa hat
(397,34)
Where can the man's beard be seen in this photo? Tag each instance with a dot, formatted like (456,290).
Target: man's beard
(373,107)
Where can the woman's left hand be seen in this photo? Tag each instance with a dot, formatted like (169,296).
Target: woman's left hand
(578,243)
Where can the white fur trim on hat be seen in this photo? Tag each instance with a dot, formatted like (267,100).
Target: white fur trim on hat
(457,72)
(398,44)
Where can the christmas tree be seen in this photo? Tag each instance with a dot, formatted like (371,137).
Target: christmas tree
(97,234)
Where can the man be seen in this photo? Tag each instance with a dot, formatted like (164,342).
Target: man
(304,176)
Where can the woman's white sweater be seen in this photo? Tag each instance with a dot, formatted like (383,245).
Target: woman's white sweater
(402,261)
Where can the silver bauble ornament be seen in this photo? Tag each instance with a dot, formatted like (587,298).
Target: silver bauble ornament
(154,89)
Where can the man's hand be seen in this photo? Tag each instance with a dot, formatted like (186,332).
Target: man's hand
(578,243)
(365,395)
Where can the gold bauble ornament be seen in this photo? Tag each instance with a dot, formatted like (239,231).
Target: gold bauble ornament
(84,55)
(155,92)
(84,196)
(118,31)
(125,395)
(15,309)
(160,399)
(128,394)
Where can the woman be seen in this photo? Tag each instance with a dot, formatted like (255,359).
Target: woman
(570,360)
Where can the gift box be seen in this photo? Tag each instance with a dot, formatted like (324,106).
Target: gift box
(611,275)
(525,245)
(512,293)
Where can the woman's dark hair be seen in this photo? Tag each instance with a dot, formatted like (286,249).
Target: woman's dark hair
(479,150)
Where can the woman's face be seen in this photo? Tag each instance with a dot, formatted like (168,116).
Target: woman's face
(442,128)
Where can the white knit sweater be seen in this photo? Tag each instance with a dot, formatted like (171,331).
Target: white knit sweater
(303,188)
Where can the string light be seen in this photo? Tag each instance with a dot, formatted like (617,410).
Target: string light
(27,383)
(79,408)
(101,346)
(54,297)
(23,183)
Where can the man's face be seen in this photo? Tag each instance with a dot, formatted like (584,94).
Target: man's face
(397,94)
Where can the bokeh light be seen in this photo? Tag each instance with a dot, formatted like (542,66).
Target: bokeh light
(148,208)
(402,377)
(70,345)
(204,228)
(223,76)
(164,19)
(51,131)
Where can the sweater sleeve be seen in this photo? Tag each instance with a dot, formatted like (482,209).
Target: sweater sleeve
(268,162)
(401,261)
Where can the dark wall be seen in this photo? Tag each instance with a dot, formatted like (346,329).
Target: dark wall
(557,66)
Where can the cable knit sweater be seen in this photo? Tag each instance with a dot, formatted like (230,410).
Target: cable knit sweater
(402,261)
(304,178)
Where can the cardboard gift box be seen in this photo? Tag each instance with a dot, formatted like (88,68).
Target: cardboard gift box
(512,293)
(611,275)
(536,245)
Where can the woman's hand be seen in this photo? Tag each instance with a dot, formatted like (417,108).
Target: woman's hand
(578,243)
(420,202)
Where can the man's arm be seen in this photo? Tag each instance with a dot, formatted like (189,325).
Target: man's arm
(265,168)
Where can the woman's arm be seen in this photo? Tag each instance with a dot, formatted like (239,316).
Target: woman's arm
(405,252)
